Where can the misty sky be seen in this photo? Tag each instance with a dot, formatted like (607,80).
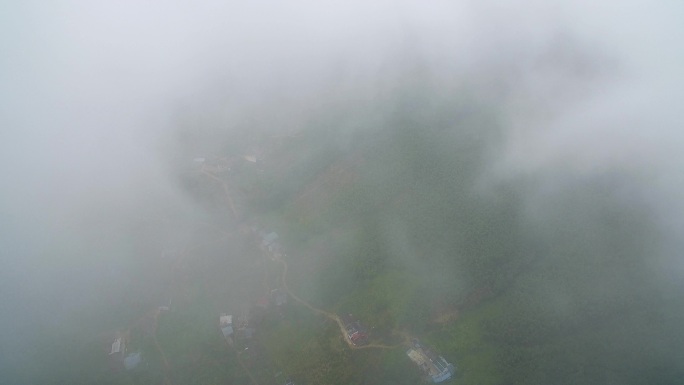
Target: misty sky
(90,93)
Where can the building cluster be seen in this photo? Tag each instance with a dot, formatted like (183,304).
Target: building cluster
(227,164)
(237,328)
(214,165)
(242,327)
(434,366)
(270,244)
(119,357)
(226,325)
(356,333)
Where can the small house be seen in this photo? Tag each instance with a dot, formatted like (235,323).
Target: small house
(243,320)
(268,239)
(118,346)
(226,325)
(132,361)
(246,333)
(275,250)
(278,297)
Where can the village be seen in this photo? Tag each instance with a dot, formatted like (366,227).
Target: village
(240,327)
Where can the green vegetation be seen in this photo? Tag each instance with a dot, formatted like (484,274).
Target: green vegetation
(399,225)
(410,234)
(193,345)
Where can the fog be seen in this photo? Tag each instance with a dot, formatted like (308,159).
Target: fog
(102,105)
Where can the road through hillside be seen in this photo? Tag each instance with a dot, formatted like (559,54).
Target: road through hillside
(329,315)
(225,190)
(314,309)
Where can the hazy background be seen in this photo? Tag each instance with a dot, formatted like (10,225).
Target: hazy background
(95,98)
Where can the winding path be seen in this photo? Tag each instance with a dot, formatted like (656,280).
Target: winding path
(225,190)
(329,315)
(314,309)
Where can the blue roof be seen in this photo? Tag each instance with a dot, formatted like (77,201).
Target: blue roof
(132,360)
(269,238)
(227,330)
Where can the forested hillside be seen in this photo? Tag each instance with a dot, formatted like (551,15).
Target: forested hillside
(541,278)
(342,193)
(397,212)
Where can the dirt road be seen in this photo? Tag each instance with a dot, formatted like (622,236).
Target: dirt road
(329,315)
(316,310)
(225,190)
